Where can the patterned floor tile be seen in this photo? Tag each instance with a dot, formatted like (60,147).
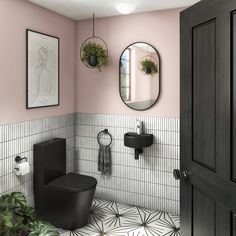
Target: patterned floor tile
(109,218)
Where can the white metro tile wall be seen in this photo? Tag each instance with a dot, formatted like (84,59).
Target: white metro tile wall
(146,182)
(19,138)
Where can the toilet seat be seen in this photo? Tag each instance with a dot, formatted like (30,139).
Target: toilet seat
(73,182)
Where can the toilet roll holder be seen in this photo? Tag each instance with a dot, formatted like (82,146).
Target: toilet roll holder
(19,159)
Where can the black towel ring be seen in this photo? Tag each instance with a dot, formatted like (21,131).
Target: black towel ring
(105,131)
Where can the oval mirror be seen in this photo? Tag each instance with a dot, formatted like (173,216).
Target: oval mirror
(139,76)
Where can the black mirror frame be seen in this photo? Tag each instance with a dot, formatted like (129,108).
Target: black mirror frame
(158,72)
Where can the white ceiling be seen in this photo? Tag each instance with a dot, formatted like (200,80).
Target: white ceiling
(84,9)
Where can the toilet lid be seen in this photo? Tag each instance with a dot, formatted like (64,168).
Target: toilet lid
(74,182)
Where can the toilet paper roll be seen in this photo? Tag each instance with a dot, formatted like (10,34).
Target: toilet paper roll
(22,168)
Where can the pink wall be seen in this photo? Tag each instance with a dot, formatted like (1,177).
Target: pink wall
(98,92)
(15,17)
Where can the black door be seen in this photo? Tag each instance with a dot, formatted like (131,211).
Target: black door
(208,119)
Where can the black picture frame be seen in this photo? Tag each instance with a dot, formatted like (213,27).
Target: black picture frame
(31,77)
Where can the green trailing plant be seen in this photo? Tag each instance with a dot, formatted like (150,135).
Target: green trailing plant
(18,219)
(94,49)
(149,67)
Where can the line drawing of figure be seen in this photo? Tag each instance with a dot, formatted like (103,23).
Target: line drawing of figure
(43,75)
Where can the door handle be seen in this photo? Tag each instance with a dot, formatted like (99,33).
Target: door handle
(177,174)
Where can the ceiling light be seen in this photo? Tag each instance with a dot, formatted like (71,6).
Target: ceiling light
(125,8)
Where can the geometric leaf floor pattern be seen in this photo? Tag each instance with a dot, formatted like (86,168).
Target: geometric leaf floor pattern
(109,218)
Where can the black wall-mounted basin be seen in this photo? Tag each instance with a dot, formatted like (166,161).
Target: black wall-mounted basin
(138,142)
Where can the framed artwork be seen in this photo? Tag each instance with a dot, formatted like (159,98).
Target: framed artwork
(42,70)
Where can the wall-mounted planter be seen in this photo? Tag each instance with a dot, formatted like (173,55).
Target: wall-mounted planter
(94,55)
(94,52)
(93,60)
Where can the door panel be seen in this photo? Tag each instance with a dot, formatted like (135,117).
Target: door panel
(223,220)
(233,224)
(208,119)
(203,39)
(233,57)
(203,214)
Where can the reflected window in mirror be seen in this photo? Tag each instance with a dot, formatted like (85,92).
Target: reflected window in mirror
(125,74)
(139,76)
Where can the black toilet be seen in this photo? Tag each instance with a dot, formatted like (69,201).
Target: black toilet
(62,199)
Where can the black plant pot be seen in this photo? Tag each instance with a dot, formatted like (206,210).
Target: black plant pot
(93,60)
(148,70)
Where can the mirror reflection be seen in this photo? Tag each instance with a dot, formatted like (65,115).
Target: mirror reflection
(139,76)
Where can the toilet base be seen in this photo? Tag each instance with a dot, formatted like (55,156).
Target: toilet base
(66,210)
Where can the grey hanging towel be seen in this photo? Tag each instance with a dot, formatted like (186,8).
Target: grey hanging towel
(101,158)
(107,160)
(104,155)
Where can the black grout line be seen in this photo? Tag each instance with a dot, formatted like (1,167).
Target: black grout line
(118,177)
(129,153)
(93,137)
(12,172)
(31,150)
(136,167)
(125,127)
(139,194)
(6,157)
(43,132)
(16,187)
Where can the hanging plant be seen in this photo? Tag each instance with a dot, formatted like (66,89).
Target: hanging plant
(18,219)
(94,55)
(149,67)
